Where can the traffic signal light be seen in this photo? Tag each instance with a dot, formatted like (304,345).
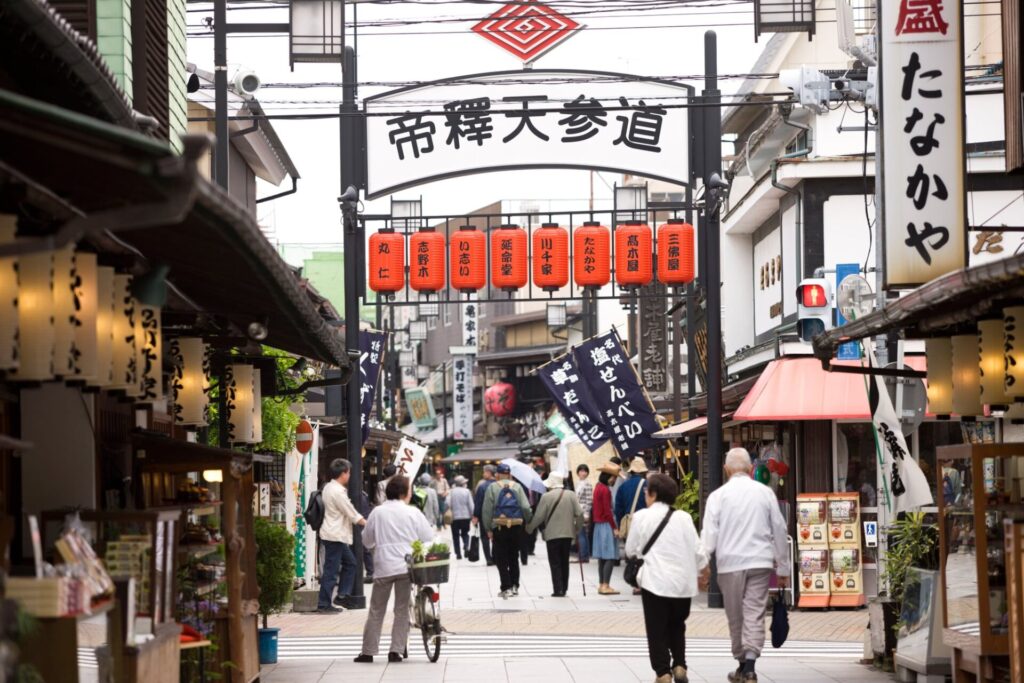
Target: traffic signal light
(814,307)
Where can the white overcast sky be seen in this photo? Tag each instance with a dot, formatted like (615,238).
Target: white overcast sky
(656,43)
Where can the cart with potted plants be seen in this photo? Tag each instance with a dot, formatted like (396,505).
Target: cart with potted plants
(428,566)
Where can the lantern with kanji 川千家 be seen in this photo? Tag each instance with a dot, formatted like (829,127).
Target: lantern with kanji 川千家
(468,258)
(500,399)
(551,257)
(426,256)
(675,253)
(508,258)
(634,254)
(591,245)
(387,261)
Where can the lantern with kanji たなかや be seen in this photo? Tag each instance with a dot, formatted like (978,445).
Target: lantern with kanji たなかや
(675,253)
(551,257)
(426,257)
(468,256)
(591,245)
(508,258)
(634,254)
(500,399)
(387,261)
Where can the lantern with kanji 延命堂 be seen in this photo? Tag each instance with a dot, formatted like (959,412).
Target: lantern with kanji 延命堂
(468,257)
(500,399)
(591,245)
(675,253)
(551,257)
(387,261)
(634,254)
(508,258)
(426,261)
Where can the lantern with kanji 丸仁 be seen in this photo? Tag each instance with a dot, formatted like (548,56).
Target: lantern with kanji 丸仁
(508,258)
(387,261)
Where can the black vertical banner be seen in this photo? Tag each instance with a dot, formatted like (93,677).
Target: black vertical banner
(565,382)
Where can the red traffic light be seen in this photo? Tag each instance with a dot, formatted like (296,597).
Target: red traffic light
(813,296)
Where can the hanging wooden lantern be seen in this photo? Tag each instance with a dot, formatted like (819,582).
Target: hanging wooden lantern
(123,356)
(500,399)
(966,376)
(992,363)
(591,246)
(1013,339)
(149,347)
(65,313)
(939,353)
(551,257)
(8,296)
(387,261)
(190,381)
(634,254)
(35,318)
(103,374)
(508,258)
(257,407)
(426,256)
(239,378)
(86,290)
(468,257)
(675,253)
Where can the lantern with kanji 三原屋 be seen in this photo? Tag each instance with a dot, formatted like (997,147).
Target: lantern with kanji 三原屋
(551,257)
(500,399)
(675,253)
(634,254)
(591,246)
(426,256)
(468,258)
(387,261)
(508,258)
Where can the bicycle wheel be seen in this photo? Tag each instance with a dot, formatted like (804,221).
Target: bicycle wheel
(430,623)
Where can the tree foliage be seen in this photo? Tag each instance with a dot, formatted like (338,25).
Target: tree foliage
(275,566)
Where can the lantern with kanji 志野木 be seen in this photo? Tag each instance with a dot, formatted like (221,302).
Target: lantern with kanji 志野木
(591,245)
(551,257)
(634,254)
(426,257)
(387,261)
(468,259)
(508,258)
(675,253)
(500,399)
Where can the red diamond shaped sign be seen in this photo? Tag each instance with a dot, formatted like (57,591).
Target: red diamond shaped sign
(526,29)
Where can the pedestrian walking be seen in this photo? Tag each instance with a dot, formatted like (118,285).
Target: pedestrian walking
(606,547)
(390,532)
(585,494)
(431,507)
(630,496)
(365,507)
(478,510)
(340,515)
(672,559)
(745,531)
(442,489)
(461,501)
(389,471)
(506,512)
(559,518)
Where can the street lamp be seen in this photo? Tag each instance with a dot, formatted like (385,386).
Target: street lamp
(557,315)
(317,30)
(429,310)
(417,331)
(783,16)
(406,214)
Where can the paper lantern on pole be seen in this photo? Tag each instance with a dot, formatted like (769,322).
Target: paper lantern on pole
(239,382)
(675,253)
(508,258)
(939,353)
(8,296)
(103,374)
(387,261)
(426,261)
(591,246)
(65,314)
(634,255)
(992,363)
(1013,338)
(257,407)
(468,258)
(190,381)
(123,356)
(149,347)
(500,399)
(35,317)
(87,301)
(551,257)
(966,376)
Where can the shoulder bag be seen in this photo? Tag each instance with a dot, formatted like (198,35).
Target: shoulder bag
(627,520)
(631,572)
(551,512)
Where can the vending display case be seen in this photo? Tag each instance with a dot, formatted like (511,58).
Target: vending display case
(812,550)
(844,519)
(812,520)
(846,558)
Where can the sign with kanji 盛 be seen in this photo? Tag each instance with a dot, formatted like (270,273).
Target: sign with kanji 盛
(923,146)
(523,120)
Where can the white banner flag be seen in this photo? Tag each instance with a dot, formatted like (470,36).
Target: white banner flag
(410,457)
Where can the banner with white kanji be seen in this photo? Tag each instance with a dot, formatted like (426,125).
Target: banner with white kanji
(564,381)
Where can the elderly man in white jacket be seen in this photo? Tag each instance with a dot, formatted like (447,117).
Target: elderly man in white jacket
(746,532)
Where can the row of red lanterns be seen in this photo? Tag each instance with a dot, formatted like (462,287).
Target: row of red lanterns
(591,268)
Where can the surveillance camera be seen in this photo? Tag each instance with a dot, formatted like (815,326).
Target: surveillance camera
(716,182)
(257,331)
(246,83)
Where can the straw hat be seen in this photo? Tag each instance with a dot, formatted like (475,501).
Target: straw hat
(609,468)
(554,481)
(638,466)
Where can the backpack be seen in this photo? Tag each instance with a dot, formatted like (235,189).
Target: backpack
(315,511)
(508,503)
(419,498)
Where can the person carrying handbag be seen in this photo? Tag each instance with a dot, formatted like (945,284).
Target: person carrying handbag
(668,551)
(559,518)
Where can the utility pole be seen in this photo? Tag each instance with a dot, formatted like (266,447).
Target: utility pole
(220,85)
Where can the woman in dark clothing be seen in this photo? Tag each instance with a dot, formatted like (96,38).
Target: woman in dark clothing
(606,547)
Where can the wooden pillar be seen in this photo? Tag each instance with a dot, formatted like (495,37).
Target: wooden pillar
(234,545)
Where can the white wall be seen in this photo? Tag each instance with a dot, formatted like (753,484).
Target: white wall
(791,264)
(737,284)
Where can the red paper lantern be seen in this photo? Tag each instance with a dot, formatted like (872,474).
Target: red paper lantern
(634,254)
(468,258)
(591,246)
(426,260)
(675,253)
(551,257)
(500,399)
(387,261)
(508,258)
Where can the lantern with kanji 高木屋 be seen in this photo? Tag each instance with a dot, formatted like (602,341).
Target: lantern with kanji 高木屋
(508,258)
(591,246)
(634,254)
(387,262)
(468,259)
(426,261)
(675,253)
(500,399)
(551,257)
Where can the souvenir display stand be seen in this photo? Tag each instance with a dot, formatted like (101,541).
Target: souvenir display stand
(845,553)
(813,550)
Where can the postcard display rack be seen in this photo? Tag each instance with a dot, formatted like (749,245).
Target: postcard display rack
(829,550)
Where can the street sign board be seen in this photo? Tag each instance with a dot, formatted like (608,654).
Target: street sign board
(848,350)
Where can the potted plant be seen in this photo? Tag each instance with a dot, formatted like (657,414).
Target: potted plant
(688,499)
(275,573)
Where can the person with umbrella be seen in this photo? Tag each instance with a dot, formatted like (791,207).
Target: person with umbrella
(505,514)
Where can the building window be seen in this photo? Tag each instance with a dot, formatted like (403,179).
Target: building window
(857,461)
(446,314)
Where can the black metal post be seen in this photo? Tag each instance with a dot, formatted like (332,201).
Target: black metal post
(444,409)
(712,239)
(220,85)
(353,255)
(393,373)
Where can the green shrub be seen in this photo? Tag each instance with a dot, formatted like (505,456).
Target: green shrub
(275,566)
